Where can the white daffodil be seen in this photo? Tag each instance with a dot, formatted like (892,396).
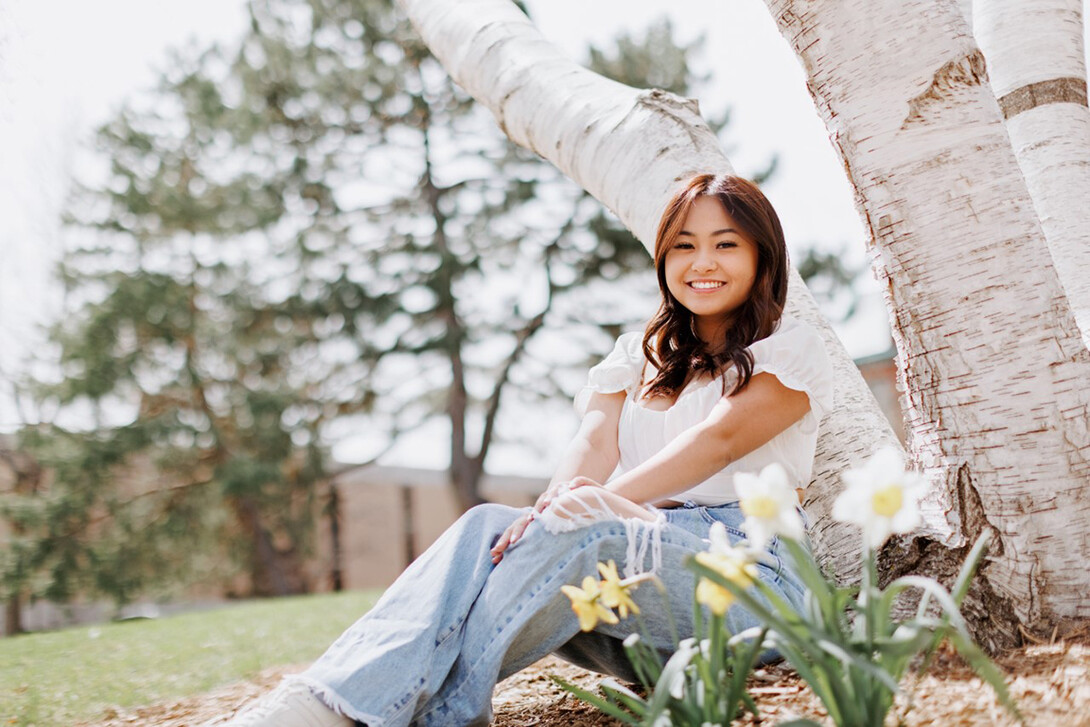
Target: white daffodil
(768,501)
(881,497)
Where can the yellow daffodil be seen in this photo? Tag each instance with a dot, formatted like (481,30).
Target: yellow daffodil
(615,592)
(587,604)
(734,564)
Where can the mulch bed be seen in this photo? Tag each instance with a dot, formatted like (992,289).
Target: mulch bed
(1050,682)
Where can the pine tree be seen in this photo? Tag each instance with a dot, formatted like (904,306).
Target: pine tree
(315,228)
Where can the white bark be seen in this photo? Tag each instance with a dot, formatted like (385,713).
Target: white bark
(1037,70)
(967,10)
(997,377)
(631,149)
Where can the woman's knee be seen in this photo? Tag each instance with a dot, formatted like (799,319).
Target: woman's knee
(487,517)
(490,510)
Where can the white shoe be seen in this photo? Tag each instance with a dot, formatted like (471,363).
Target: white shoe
(292,704)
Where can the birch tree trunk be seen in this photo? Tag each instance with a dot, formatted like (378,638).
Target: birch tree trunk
(1037,71)
(632,149)
(997,377)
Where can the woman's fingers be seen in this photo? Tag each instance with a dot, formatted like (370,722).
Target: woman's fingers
(519,527)
(543,500)
(501,544)
(546,498)
(510,536)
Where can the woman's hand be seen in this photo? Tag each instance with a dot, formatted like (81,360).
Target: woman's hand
(559,488)
(511,535)
(515,530)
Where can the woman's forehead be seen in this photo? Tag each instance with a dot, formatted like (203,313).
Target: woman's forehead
(708,212)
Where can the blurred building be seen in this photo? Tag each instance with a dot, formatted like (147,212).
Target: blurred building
(389,515)
(880,373)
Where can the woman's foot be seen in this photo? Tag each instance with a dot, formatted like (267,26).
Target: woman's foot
(292,704)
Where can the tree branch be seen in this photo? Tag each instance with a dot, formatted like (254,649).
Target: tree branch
(522,337)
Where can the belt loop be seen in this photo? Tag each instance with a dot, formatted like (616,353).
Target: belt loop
(804,516)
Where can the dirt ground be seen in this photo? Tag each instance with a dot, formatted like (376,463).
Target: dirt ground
(1051,683)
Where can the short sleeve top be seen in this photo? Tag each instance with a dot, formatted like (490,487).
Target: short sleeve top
(794,353)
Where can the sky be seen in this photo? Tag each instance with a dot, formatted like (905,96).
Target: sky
(67,66)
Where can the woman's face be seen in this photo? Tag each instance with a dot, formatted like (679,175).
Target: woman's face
(711,267)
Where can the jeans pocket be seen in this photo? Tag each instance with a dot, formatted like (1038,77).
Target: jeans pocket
(729,516)
(773,563)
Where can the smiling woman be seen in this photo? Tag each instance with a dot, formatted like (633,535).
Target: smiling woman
(722,268)
(710,268)
(485,600)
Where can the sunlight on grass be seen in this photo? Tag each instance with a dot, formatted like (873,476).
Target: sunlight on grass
(60,677)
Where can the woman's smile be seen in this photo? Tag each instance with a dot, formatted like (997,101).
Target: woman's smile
(706,284)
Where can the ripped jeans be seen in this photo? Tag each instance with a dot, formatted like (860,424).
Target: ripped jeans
(452,625)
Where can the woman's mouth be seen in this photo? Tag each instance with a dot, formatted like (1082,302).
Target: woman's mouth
(705,284)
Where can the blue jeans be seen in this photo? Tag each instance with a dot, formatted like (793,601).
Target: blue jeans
(452,625)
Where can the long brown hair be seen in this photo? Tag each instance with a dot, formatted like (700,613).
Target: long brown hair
(670,343)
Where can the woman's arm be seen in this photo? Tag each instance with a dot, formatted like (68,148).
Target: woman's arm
(736,426)
(592,453)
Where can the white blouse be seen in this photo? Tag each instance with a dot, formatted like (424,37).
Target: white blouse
(794,354)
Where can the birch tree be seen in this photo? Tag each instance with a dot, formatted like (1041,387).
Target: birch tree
(630,149)
(1037,70)
(994,367)
(995,371)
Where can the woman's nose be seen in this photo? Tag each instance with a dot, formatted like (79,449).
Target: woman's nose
(703,261)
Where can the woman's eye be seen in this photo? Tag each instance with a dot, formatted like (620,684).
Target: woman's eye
(683,245)
(726,244)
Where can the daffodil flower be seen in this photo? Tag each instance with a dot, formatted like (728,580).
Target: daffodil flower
(734,564)
(768,501)
(881,497)
(587,604)
(615,591)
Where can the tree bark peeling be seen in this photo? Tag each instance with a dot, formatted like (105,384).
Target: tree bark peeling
(951,77)
(1057,90)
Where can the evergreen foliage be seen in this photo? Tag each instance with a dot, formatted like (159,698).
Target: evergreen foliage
(313,228)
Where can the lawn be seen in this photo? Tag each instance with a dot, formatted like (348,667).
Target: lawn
(60,677)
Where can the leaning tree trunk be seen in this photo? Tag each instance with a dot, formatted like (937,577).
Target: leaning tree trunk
(1037,70)
(996,374)
(632,150)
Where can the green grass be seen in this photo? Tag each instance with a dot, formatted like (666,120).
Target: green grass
(62,677)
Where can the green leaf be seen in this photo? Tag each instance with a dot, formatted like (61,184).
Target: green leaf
(623,695)
(673,670)
(969,567)
(590,698)
(987,670)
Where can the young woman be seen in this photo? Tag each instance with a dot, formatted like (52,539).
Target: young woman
(719,383)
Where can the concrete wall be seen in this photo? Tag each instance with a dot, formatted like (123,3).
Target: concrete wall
(391,515)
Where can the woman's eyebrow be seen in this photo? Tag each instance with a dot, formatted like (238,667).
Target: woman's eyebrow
(724,231)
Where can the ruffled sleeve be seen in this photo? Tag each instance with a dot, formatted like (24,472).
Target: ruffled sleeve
(619,371)
(795,354)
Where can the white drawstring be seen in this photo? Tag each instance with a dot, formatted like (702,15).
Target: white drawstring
(641,535)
